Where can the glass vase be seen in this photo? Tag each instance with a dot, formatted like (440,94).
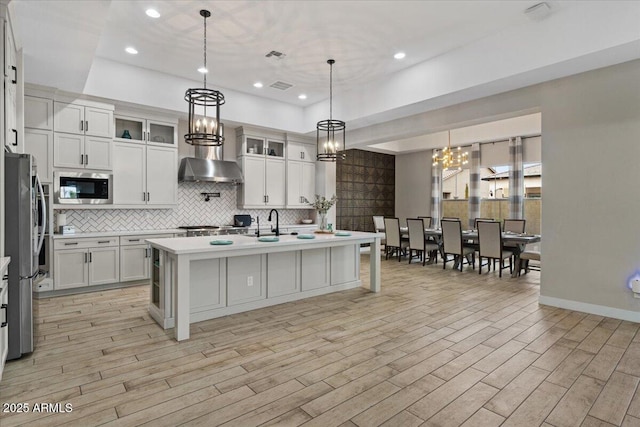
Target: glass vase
(322,220)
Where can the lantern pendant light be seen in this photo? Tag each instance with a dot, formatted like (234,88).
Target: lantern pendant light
(330,134)
(204,130)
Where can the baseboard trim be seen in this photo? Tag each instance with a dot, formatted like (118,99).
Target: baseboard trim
(600,310)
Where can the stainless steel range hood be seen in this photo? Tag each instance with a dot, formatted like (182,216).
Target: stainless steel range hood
(209,166)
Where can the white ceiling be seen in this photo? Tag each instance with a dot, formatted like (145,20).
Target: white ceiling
(456,50)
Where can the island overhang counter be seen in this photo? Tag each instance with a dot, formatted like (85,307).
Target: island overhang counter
(194,280)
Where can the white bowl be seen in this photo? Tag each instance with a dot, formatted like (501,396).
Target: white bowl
(307,221)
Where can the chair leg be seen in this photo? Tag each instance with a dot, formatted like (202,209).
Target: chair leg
(500,266)
(479,265)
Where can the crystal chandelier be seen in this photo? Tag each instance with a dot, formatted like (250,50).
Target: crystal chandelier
(204,130)
(330,134)
(451,159)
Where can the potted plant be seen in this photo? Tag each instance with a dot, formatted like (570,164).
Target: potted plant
(322,205)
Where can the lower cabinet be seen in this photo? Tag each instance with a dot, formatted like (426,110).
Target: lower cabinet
(134,262)
(283,273)
(85,267)
(316,268)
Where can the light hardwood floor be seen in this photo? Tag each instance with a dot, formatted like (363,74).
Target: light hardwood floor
(435,348)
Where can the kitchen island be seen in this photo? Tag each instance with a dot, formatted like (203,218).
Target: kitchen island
(194,280)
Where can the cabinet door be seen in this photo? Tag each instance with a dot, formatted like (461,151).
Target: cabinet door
(135,129)
(4,331)
(68,118)
(129,174)
(38,113)
(10,118)
(134,262)
(98,153)
(39,143)
(162,175)
(275,182)
(68,150)
(98,122)
(71,269)
(308,182)
(294,181)
(283,274)
(162,134)
(104,265)
(301,152)
(254,173)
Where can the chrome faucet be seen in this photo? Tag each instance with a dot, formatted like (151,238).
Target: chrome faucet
(277,230)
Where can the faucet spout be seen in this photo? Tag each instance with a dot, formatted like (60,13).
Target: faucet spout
(277,229)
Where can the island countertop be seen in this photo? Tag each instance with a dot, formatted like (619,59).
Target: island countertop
(192,245)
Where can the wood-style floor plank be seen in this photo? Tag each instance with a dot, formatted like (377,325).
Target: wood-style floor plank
(435,347)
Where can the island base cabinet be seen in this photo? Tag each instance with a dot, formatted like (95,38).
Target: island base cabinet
(246,279)
(208,290)
(283,274)
(315,269)
(345,264)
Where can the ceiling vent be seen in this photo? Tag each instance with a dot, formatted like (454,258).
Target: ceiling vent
(538,12)
(281,85)
(275,54)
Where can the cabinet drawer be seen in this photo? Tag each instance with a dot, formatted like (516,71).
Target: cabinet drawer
(140,239)
(85,243)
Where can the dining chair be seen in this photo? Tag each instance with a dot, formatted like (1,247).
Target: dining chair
(475,221)
(395,243)
(527,255)
(452,244)
(490,239)
(418,242)
(514,225)
(378,226)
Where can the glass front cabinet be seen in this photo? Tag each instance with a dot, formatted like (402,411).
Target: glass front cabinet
(141,131)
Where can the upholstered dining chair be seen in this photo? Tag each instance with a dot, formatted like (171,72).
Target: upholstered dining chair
(427,221)
(378,226)
(418,242)
(452,244)
(527,255)
(475,221)
(514,225)
(395,243)
(490,239)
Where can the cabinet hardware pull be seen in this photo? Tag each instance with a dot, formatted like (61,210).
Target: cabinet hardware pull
(85,257)
(144,196)
(4,307)
(90,257)
(148,197)
(103,241)
(5,277)
(86,125)
(302,154)
(15,141)
(15,74)
(71,244)
(86,159)
(134,240)
(81,124)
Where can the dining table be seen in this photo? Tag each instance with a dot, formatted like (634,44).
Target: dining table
(518,241)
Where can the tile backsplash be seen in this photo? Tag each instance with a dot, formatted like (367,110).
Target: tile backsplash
(191,210)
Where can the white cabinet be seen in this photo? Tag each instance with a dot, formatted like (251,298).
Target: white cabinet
(135,257)
(10,98)
(301,183)
(38,113)
(39,143)
(82,120)
(86,262)
(264,183)
(77,151)
(144,174)
(301,151)
(144,130)
(4,329)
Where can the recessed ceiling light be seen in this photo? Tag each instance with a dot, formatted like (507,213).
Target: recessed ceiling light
(203,70)
(302,96)
(399,55)
(131,50)
(257,84)
(152,13)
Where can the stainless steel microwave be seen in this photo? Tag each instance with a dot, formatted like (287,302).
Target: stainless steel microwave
(82,188)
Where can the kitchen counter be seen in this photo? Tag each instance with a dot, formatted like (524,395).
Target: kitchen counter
(194,280)
(118,233)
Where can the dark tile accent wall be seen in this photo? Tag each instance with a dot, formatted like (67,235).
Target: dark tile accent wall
(365,185)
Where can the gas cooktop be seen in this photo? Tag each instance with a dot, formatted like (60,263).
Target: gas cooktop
(213,230)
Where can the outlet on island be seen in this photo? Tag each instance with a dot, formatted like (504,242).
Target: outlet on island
(249,280)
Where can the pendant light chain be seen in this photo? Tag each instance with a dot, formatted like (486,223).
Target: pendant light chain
(330,91)
(205,52)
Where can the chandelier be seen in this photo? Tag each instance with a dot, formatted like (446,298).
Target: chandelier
(330,134)
(450,158)
(204,130)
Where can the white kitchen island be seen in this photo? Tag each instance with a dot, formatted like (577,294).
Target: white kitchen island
(193,280)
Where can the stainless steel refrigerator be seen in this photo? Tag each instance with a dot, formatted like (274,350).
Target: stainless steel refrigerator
(23,240)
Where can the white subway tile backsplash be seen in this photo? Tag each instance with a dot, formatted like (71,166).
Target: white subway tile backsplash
(191,210)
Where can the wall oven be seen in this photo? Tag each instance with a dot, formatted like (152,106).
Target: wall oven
(82,188)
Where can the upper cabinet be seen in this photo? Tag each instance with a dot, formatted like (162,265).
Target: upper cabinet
(301,151)
(38,113)
(11,75)
(144,130)
(83,120)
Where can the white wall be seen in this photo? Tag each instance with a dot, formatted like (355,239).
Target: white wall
(413,185)
(590,154)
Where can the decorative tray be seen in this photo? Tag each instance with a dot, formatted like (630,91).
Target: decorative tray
(323,232)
